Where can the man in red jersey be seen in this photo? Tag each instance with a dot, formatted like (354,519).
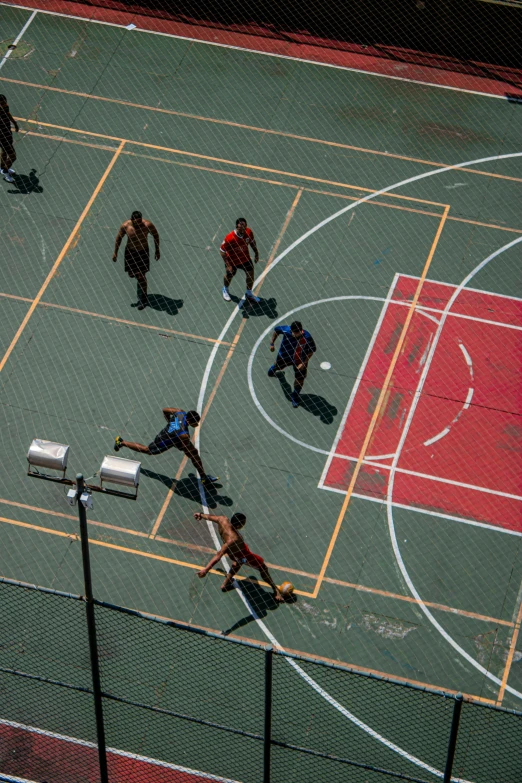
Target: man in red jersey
(236,255)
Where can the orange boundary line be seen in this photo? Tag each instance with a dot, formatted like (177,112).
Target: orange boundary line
(117,320)
(60,258)
(224,366)
(193,566)
(511,653)
(208,550)
(380,401)
(264,131)
(278,183)
(252,166)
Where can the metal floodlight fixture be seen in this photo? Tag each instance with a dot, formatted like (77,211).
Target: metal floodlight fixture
(48,455)
(125,472)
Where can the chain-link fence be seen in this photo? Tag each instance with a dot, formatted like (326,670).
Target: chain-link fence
(183,704)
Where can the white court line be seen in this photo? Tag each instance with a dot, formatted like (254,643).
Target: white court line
(22,31)
(114,751)
(468,288)
(436,437)
(358,380)
(389,495)
(271,54)
(428,476)
(418,510)
(208,370)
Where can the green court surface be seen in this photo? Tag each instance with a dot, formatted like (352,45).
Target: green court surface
(193,136)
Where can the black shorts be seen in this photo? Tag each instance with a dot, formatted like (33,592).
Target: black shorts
(162,443)
(283,361)
(136,261)
(6,143)
(248,267)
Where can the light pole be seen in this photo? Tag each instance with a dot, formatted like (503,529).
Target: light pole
(115,470)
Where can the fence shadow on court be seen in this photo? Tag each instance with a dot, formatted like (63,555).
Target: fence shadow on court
(311,403)
(26,183)
(188,488)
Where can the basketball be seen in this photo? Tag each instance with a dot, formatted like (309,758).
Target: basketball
(287,589)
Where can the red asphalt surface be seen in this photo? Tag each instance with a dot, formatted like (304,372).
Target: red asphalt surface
(482,442)
(384,60)
(25,753)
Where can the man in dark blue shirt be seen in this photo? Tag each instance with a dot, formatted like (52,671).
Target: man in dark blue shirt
(174,435)
(295,350)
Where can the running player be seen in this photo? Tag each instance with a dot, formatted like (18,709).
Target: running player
(174,435)
(296,349)
(8,156)
(137,262)
(238,552)
(236,255)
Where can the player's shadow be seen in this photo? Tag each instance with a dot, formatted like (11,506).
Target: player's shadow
(266,307)
(188,488)
(261,600)
(163,303)
(312,403)
(26,183)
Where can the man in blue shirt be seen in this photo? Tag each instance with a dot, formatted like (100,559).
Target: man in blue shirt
(296,349)
(174,435)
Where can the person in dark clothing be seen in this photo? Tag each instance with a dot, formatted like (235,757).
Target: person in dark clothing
(8,156)
(296,350)
(174,435)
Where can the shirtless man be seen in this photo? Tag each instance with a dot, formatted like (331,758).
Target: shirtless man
(238,552)
(137,262)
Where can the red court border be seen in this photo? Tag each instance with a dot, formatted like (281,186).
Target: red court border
(37,755)
(461,455)
(402,64)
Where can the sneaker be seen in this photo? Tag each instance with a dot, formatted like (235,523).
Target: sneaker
(272,371)
(117,443)
(252,298)
(11,171)
(226,295)
(208,479)
(7,176)
(142,305)
(296,401)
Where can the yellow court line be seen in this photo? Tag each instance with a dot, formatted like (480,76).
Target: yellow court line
(61,256)
(237,175)
(128,550)
(117,320)
(231,350)
(380,401)
(200,156)
(273,566)
(264,131)
(511,653)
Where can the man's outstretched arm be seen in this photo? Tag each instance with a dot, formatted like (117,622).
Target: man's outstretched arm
(214,561)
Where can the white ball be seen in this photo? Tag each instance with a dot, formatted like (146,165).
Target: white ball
(325,366)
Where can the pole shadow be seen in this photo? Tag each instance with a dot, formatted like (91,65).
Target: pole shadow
(26,183)
(311,403)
